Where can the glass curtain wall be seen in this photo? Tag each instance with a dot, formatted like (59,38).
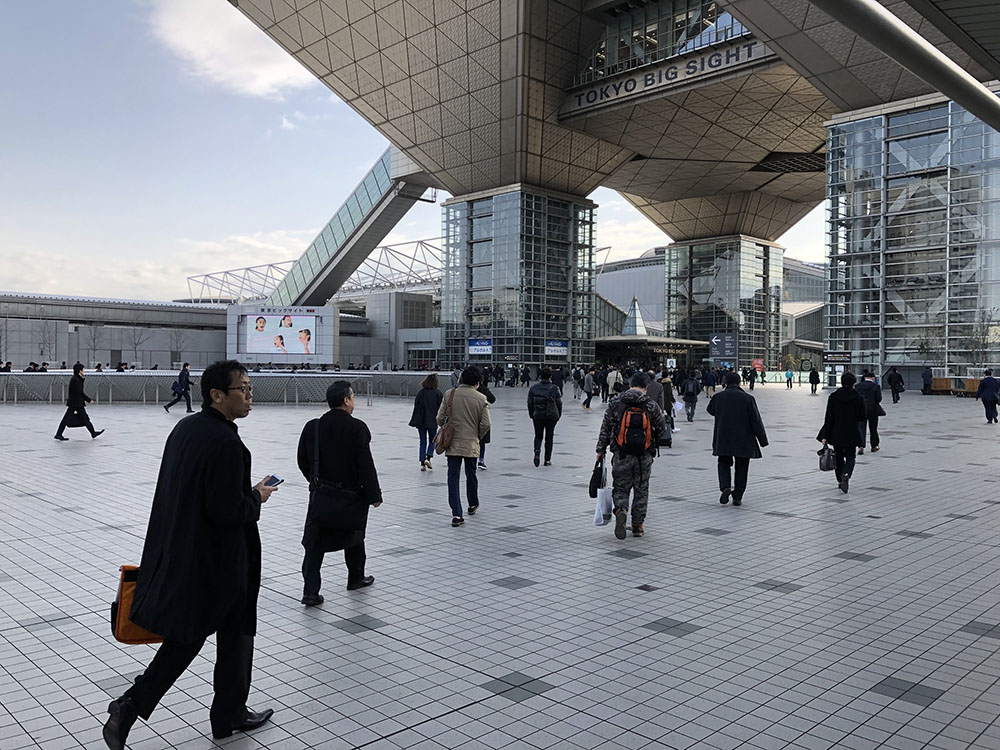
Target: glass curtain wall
(656,31)
(914,240)
(518,270)
(726,285)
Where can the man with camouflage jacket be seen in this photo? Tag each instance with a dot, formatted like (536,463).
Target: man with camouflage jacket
(633,446)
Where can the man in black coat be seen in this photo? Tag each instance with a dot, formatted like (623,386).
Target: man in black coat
(184,389)
(895,382)
(989,392)
(544,409)
(76,405)
(844,410)
(345,456)
(738,436)
(558,378)
(871,394)
(200,569)
(813,381)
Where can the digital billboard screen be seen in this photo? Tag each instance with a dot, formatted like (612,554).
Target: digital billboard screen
(280,334)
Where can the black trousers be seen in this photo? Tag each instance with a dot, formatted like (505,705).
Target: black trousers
(186,395)
(990,408)
(872,430)
(83,413)
(545,427)
(726,481)
(895,396)
(590,395)
(233,668)
(312,561)
(845,456)
(812,387)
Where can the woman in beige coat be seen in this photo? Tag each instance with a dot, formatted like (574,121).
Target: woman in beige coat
(470,417)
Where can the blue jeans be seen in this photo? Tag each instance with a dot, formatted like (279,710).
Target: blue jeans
(426,442)
(471,483)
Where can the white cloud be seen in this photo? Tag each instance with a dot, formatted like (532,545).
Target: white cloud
(286,124)
(219,44)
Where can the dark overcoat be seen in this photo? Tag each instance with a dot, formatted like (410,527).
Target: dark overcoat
(844,410)
(484,388)
(425,408)
(345,456)
(871,394)
(739,430)
(655,392)
(76,398)
(201,558)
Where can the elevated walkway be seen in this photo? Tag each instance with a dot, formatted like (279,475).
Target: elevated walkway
(358,227)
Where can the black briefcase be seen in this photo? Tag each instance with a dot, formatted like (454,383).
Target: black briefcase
(76,419)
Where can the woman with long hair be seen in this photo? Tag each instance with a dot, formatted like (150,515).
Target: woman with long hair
(424,418)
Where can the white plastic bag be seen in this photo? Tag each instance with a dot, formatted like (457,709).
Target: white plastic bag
(603,506)
(678,406)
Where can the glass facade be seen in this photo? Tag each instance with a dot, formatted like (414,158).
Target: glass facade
(518,270)
(914,239)
(657,31)
(349,216)
(726,285)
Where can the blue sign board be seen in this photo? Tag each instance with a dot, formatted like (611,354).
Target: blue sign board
(480,346)
(556,348)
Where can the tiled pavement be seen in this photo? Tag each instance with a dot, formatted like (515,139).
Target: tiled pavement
(805,619)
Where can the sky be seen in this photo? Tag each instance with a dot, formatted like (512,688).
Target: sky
(145,141)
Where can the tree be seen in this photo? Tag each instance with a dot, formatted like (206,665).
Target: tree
(983,337)
(179,341)
(46,339)
(137,337)
(790,362)
(92,339)
(928,351)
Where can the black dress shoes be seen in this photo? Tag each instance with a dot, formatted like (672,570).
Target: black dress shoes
(123,713)
(97,434)
(60,437)
(251,720)
(360,583)
(311,600)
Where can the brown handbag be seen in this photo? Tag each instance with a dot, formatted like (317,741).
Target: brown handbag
(122,628)
(442,440)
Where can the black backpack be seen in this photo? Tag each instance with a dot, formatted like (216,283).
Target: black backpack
(690,387)
(545,406)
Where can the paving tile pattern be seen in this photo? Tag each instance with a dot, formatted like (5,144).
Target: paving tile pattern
(789,622)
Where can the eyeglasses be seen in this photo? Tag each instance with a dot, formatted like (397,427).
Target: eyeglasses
(242,388)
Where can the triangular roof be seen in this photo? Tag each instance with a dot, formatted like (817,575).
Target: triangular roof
(634,325)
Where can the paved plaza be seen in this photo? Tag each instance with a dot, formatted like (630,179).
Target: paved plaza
(804,619)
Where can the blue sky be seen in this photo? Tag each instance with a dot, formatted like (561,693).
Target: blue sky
(148,140)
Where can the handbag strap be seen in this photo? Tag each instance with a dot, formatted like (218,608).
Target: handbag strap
(451,400)
(316,453)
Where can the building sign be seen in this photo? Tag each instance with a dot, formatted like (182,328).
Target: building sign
(665,75)
(758,365)
(722,345)
(806,365)
(556,348)
(671,364)
(480,346)
(510,358)
(836,358)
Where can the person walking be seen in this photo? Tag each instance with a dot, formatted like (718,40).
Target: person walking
(925,378)
(709,381)
(558,378)
(424,417)
(631,425)
(577,374)
(689,394)
(76,408)
(467,410)
(813,381)
(753,377)
(484,388)
(788,379)
(616,382)
(588,387)
(845,409)
(895,382)
(990,395)
(201,561)
(871,394)
(737,437)
(654,389)
(602,383)
(183,390)
(544,410)
(525,376)
(345,458)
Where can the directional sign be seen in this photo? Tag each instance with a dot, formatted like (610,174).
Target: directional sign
(722,345)
(837,358)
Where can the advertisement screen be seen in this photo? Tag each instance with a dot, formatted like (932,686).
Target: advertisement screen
(280,334)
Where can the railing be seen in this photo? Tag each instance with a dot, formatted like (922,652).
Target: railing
(153,387)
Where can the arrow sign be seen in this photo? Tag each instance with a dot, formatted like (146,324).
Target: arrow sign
(722,346)
(715,340)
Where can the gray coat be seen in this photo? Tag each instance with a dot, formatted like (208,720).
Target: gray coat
(739,430)
(655,392)
(588,383)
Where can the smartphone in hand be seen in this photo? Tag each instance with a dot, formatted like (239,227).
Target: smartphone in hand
(274,481)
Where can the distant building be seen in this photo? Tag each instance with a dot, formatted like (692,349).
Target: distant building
(802,281)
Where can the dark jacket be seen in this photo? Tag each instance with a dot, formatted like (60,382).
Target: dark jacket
(926,376)
(344,456)
(558,377)
(201,557)
(814,376)
(690,389)
(184,380)
(655,392)
(540,395)
(871,394)
(484,388)
(76,397)
(425,408)
(987,390)
(739,430)
(844,410)
(895,381)
(615,411)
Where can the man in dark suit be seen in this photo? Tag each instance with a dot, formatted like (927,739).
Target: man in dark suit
(76,405)
(738,436)
(345,456)
(988,392)
(200,569)
(845,410)
(871,394)
(184,386)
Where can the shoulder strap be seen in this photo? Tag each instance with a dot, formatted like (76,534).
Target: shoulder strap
(451,400)
(316,452)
